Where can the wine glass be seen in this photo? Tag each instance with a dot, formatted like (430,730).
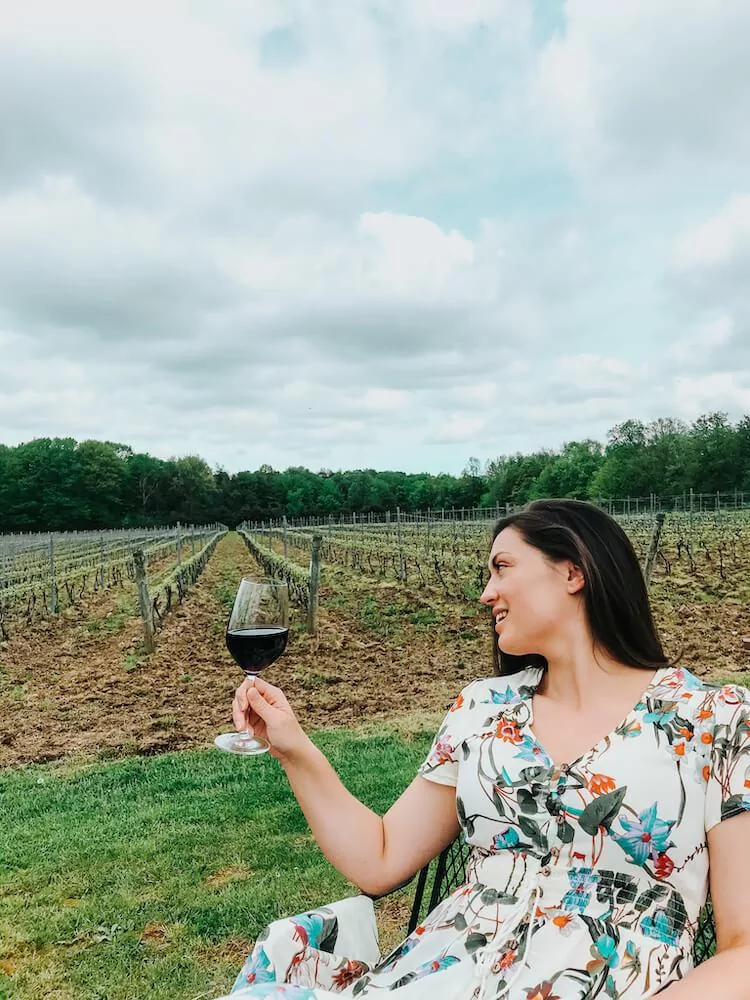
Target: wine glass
(257,634)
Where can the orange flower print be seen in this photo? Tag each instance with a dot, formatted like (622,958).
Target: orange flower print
(507,730)
(703,714)
(349,973)
(563,920)
(457,703)
(506,959)
(542,992)
(678,749)
(600,784)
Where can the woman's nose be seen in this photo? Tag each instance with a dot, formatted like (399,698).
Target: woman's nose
(488,594)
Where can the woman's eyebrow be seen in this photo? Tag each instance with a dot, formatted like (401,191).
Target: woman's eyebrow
(498,555)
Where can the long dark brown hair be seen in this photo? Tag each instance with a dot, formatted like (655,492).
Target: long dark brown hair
(615,594)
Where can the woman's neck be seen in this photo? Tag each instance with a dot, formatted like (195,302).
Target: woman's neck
(580,674)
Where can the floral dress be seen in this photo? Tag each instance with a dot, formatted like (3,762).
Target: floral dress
(585,879)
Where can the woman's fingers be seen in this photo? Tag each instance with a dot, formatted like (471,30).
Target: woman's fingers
(273,695)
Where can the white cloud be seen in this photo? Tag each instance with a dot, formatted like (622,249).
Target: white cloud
(693,350)
(457,429)
(718,242)
(648,88)
(702,393)
(331,233)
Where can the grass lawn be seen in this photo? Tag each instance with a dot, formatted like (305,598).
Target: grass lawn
(150,877)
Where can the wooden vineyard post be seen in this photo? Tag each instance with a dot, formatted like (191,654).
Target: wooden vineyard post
(144,600)
(401,560)
(192,539)
(102,565)
(653,547)
(312,610)
(286,538)
(53,603)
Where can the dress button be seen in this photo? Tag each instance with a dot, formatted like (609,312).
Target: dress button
(546,871)
(561,819)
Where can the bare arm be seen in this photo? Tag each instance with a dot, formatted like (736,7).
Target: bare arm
(375,853)
(726,973)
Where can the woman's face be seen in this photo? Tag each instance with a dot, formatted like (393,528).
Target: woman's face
(532,598)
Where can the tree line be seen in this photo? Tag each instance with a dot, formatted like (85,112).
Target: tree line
(56,484)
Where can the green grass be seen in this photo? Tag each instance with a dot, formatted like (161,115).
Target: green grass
(150,877)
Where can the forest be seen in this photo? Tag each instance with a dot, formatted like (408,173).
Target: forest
(58,484)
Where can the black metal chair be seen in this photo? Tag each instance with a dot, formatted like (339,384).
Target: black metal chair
(448,871)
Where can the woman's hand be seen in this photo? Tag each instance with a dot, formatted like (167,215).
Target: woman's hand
(263,708)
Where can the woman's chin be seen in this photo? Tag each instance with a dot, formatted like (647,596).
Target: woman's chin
(506,645)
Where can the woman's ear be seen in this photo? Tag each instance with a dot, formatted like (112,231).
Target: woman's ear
(576,579)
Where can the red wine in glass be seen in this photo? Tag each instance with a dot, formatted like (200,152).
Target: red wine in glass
(255,648)
(257,634)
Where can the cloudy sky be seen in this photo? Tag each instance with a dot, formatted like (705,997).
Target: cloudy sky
(386,233)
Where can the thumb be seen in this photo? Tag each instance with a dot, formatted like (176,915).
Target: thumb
(258,703)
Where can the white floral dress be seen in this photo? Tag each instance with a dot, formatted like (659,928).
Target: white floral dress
(584,880)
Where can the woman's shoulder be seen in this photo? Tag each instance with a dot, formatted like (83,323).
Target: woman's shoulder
(700,694)
(502,689)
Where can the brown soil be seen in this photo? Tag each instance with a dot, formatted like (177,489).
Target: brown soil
(79,685)
(70,686)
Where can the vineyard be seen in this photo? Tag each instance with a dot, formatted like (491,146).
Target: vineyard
(695,551)
(44,574)
(402,593)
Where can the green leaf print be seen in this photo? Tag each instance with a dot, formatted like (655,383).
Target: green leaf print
(533,832)
(732,806)
(475,941)
(677,911)
(649,897)
(528,775)
(466,821)
(566,833)
(602,811)
(526,801)
(460,809)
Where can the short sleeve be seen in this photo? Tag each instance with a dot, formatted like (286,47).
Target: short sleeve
(727,769)
(441,763)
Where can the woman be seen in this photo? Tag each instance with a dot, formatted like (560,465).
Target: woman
(593,779)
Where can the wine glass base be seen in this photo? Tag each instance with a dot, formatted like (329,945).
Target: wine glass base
(231,743)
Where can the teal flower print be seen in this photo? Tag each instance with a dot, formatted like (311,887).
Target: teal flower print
(257,969)
(308,929)
(582,880)
(660,928)
(506,840)
(607,948)
(604,952)
(659,718)
(645,837)
(530,750)
(507,697)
